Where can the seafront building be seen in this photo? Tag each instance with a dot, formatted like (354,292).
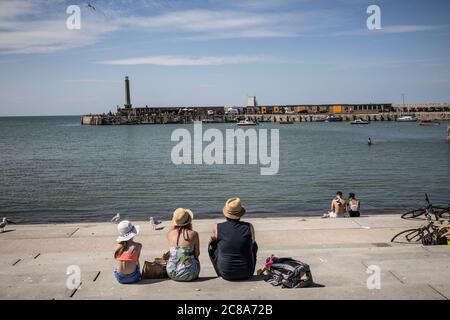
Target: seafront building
(264,113)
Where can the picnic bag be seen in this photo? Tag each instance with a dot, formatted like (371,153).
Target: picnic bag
(155,269)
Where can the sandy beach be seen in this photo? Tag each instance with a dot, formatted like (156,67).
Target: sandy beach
(34,260)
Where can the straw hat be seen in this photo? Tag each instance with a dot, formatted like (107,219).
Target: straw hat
(126,230)
(182,217)
(233,209)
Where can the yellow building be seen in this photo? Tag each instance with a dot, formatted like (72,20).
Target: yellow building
(337,109)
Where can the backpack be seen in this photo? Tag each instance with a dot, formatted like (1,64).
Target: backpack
(288,273)
(436,238)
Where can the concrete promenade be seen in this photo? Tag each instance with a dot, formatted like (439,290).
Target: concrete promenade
(34,258)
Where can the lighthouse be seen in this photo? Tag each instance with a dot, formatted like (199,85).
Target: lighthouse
(127,94)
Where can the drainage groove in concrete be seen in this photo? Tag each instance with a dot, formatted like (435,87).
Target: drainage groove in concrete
(437,291)
(17,261)
(75,290)
(71,234)
(96,276)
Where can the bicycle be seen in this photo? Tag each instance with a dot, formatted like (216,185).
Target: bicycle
(438,211)
(427,234)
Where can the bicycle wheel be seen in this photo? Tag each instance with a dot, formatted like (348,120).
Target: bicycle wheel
(413,214)
(409,235)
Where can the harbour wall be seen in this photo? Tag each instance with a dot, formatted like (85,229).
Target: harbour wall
(296,118)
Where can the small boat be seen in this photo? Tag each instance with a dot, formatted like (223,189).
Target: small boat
(407,119)
(247,122)
(429,123)
(333,119)
(359,121)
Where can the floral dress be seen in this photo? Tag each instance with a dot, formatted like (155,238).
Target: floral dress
(182,264)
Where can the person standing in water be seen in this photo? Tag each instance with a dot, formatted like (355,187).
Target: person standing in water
(369,141)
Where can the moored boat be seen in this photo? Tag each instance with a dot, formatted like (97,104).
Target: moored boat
(407,119)
(429,123)
(333,118)
(247,122)
(359,121)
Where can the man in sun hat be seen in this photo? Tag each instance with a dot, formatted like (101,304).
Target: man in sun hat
(233,247)
(127,253)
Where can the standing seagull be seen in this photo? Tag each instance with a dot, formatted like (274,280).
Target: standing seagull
(4,223)
(116,218)
(154,222)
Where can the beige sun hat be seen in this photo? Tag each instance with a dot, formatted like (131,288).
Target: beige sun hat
(233,209)
(182,217)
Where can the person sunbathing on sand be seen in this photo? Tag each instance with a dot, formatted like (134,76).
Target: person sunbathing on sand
(337,209)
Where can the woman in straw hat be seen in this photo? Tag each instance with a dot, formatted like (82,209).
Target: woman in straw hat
(127,254)
(233,247)
(183,264)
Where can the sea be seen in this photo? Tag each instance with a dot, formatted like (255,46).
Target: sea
(52,170)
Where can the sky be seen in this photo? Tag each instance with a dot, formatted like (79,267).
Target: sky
(211,52)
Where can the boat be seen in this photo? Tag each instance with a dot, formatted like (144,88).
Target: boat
(359,121)
(407,119)
(333,119)
(247,122)
(429,123)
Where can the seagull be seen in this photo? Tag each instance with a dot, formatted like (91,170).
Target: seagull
(154,222)
(4,222)
(116,218)
(91,6)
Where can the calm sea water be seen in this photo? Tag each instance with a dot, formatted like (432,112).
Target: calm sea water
(55,170)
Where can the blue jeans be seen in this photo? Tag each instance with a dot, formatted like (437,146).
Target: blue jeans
(128,278)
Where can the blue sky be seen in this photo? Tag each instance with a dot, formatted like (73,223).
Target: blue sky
(211,52)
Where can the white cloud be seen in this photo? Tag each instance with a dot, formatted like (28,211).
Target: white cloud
(24,30)
(211,24)
(166,60)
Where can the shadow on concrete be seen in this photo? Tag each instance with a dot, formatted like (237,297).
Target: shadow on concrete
(152,281)
(201,279)
(6,231)
(252,279)
(316,285)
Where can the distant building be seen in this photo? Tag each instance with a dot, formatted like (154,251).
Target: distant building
(251,102)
